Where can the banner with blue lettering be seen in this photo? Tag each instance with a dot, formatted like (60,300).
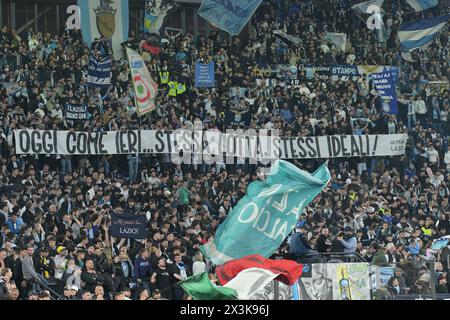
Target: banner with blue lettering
(75,111)
(384,84)
(229,15)
(129,226)
(344,70)
(204,75)
(99,73)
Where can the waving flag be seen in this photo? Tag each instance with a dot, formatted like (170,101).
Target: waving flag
(155,13)
(144,87)
(289,40)
(416,35)
(440,243)
(373,8)
(339,39)
(420,5)
(262,219)
(286,271)
(229,15)
(199,287)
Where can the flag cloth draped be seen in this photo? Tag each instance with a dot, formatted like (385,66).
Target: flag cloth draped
(266,215)
(249,281)
(416,35)
(288,271)
(201,288)
(145,89)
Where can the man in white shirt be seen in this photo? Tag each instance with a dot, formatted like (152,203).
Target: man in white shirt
(433,157)
(447,159)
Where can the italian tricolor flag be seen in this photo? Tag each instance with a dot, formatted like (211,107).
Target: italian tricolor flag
(242,278)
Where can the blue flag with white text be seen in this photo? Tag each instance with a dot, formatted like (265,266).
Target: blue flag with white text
(267,214)
(229,15)
(99,73)
(384,84)
(204,75)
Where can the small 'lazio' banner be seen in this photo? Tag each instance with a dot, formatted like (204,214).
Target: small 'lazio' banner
(229,15)
(267,214)
(105,18)
(204,75)
(129,226)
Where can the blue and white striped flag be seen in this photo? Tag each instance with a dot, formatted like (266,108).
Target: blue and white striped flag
(99,73)
(420,5)
(416,35)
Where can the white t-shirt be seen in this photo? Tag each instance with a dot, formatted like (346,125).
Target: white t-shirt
(198,267)
(433,155)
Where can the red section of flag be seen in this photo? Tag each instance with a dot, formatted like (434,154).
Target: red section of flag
(153,50)
(289,270)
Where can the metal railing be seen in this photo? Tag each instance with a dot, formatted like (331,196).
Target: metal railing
(53,294)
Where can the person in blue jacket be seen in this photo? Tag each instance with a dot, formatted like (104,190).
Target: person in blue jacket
(143,268)
(300,248)
(15,223)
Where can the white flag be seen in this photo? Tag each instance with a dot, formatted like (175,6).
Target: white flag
(249,281)
(145,89)
(339,39)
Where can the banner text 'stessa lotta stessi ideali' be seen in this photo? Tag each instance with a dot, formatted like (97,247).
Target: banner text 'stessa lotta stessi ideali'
(255,145)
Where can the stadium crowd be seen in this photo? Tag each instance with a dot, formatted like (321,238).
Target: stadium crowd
(55,210)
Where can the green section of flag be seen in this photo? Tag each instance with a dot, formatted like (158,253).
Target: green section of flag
(201,288)
(267,214)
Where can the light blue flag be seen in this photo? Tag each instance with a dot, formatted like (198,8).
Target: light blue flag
(267,214)
(440,243)
(416,35)
(229,15)
(420,5)
(105,18)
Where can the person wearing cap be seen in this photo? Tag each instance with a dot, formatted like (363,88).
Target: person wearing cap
(60,263)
